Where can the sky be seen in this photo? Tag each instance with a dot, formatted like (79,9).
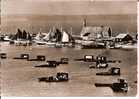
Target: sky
(68,7)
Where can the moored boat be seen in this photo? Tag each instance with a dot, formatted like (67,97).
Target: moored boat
(120,86)
(60,77)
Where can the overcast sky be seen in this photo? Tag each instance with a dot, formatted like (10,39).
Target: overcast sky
(68,7)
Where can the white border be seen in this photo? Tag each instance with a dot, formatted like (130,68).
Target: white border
(85,97)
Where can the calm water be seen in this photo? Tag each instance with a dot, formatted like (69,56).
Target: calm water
(19,77)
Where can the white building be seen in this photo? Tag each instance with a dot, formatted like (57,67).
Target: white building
(97,32)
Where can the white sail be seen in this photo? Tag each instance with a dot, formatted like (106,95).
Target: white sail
(47,37)
(38,36)
(27,36)
(65,37)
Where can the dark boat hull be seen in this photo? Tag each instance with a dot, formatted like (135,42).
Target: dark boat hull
(52,66)
(47,79)
(107,74)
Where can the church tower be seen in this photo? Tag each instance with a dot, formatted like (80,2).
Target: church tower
(84,23)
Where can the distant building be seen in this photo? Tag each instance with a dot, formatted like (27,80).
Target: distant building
(97,32)
(123,38)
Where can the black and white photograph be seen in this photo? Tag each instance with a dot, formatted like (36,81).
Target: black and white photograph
(68,48)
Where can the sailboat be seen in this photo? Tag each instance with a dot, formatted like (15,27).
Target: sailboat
(47,36)
(6,38)
(38,36)
(57,38)
(38,40)
(65,37)
(67,40)
(22,38)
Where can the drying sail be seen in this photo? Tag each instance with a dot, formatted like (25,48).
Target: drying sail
(47,36)
(28,36)
(65,37)
(38,36)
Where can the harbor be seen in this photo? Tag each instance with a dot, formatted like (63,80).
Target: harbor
(38,64)
(57,48)
(20,77)
(89,37)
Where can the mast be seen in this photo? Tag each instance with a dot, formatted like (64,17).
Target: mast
(50,31)
(71,30)
(47,36)
(61,29)
(53,29)
(40,30)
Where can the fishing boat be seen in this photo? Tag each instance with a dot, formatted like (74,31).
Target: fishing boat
(38,39)
(3,55)
(22,56)
(51,44)
(60,77)
(129,46)
(99,65)
(120,86)
(19,42)
(86,58)
(48,64)
(92,44)
(6,38)
(38,58)
(53,63)
(116,46)
(40,42)
(21,38)
(112,71)
(87,44)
